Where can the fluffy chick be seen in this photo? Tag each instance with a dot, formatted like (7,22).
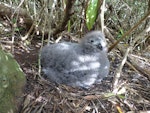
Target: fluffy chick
(77,64)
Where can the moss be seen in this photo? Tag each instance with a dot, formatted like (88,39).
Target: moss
(12,79)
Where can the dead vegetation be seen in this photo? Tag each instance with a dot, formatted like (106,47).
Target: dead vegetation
(26,25)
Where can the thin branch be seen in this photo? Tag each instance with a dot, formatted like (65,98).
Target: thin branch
(66,18)
(129,31)
(8,11)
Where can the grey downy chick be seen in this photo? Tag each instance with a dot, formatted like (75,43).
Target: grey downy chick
(77,64)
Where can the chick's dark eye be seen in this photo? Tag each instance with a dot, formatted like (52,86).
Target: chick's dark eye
(91,40)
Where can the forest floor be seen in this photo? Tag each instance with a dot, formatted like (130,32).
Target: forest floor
(131,93)
(42,96)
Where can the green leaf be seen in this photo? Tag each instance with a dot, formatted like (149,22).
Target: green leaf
(91,13)
(120,33)
(69,26)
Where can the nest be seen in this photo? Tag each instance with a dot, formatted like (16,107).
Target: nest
(42,96)
(47,97)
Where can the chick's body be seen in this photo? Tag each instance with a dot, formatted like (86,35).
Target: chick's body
(77,64)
